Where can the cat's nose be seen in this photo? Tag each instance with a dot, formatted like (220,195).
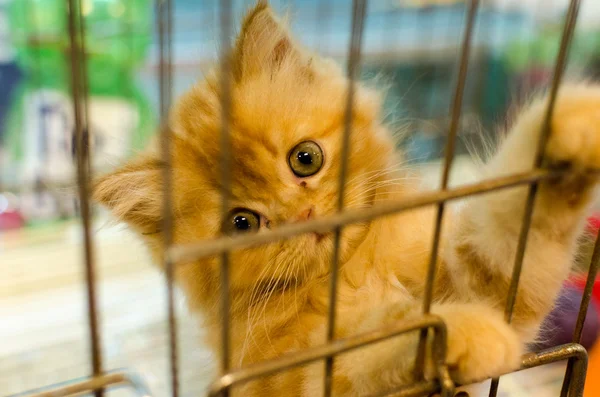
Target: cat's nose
(305,215)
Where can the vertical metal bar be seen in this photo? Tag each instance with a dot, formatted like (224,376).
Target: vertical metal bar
(456,108)
(164,21)
(583,308)
(358,16)
(78,75)
(587,292)
(226,105)
(559,68)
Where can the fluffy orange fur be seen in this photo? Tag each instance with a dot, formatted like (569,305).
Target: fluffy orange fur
(283,95)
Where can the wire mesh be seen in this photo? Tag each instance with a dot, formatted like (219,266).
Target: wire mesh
(164,21)
(358,17)
(457,103)
(79,93)
(225,14)
(561,60)
(174,255)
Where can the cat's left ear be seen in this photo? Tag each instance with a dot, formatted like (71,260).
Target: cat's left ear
(133,193)
(264,44)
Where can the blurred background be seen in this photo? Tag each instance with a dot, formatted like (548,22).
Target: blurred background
(410,46)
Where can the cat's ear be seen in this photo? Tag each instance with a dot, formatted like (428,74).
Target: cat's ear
(264,43)
(133,193)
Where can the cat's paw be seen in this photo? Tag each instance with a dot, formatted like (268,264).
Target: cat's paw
(574,138)
(480,344)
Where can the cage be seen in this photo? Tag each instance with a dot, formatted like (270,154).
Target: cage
(86,82)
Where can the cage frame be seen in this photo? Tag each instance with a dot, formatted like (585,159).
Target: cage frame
(101,379)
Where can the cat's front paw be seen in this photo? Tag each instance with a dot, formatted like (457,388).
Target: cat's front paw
(480,344)
(574,138)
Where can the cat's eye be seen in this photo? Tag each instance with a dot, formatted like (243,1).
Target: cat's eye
(306,159)
(241,221)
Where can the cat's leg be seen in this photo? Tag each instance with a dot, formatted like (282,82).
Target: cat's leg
(479,345)
(482,238)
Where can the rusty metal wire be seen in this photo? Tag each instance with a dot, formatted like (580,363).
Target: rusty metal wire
(583,308)
(455,111)
(76,387)
(78,92)
(358,18)
(179,255)
(164,15)
(575,353)
(339,346)
(226,103)
(561,61)
(572,351)
(191,252)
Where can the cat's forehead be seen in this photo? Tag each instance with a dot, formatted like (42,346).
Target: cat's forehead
(286,108)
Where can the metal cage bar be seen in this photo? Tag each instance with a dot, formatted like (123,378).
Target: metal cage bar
(202,249)
(226,105)
(340,346)
(174,255)
(455,111)
(77,387)
(79,95)
(572,351)
(559,67)
(583,308)
(358,17)
(164,17)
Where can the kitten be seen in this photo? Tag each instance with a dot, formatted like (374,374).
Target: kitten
(287,123)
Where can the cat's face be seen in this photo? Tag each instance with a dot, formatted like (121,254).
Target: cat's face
(286,129)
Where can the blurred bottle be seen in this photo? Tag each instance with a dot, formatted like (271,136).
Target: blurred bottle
(10,74)
(9,71)
(40,133)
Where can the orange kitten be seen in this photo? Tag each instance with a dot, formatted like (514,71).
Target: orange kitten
(286,132)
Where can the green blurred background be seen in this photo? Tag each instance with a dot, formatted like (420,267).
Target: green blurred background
(410,47)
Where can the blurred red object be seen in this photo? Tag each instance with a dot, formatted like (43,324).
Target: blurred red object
(593,225)
(10,216)
(578,281)
(10,220)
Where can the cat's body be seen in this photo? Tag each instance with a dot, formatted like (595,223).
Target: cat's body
(282,99)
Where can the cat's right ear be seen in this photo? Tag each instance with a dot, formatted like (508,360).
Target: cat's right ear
(264,44)
(133,193)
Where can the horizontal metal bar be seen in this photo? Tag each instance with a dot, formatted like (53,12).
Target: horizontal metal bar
(578,359)
(190,252)
(90,384)
(339,346)
(554,354)
(570,351)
